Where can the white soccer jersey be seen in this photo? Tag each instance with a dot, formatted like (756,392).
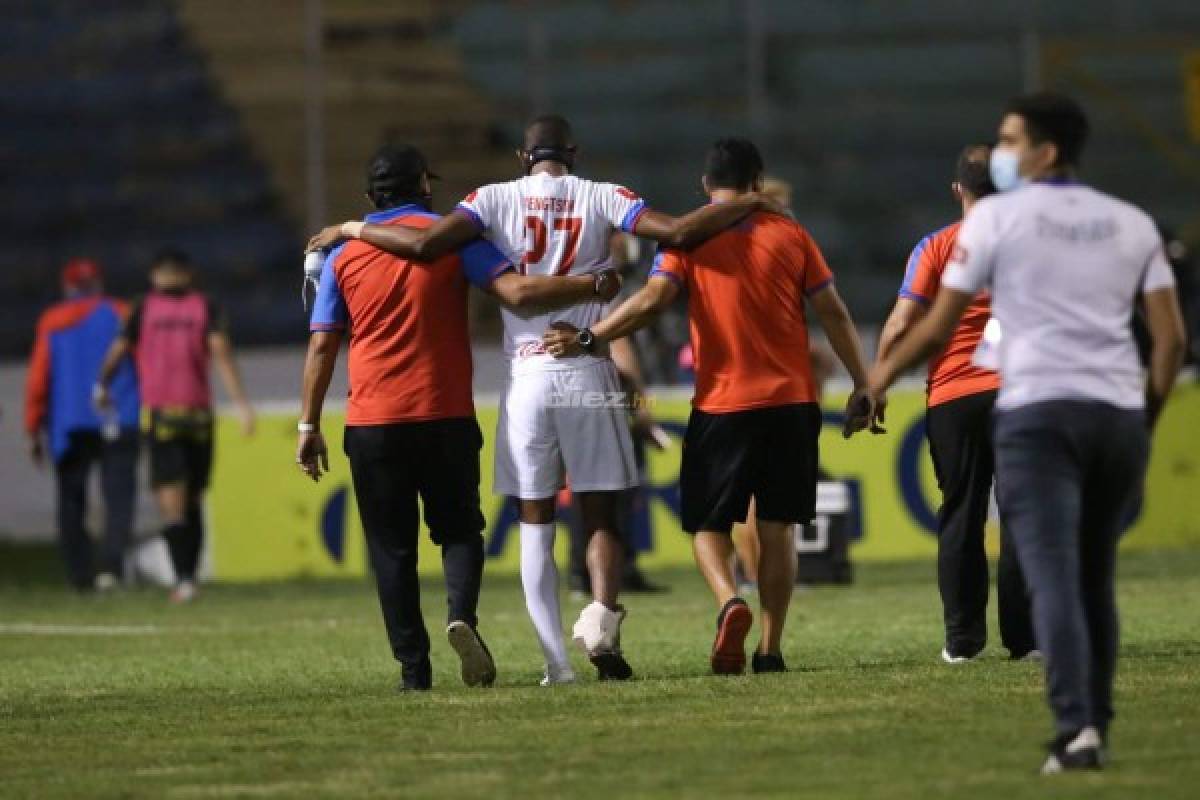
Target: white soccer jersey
(550,225)
(1065,264)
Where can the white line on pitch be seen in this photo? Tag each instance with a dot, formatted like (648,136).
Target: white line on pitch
(36,629)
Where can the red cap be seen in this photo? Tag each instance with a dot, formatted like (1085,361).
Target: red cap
(79,272)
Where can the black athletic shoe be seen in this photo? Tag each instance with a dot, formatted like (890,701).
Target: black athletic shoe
(611,666)
(416,677)
(769,662)
(729,647)
(478,668)
(1074,751)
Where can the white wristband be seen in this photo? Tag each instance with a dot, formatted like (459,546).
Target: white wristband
(306,427)
(353,229)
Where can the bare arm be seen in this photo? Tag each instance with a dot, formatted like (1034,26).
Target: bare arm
(1168,346)
(420,244)
(926,338)
(311,452)
(222,353)
(862,405)
(549,291)
(636,312)
(702,224)
(639,310)
(117,352)
(906,313)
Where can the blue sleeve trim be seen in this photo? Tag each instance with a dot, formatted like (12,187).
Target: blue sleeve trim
(482,262)
(665,274)
(329,307)
(470,212)
(629,221)
(910,269)
(818,287)
(911,295)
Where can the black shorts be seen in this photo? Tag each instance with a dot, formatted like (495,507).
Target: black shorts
(181,447)
(769,454)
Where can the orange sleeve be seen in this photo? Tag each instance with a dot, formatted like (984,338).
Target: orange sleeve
(817,274)
(37,380)
(922,274)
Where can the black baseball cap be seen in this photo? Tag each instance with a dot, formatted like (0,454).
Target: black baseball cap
(396,169)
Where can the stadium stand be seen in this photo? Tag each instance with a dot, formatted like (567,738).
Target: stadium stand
(649,87)
(207,148)
(116,142)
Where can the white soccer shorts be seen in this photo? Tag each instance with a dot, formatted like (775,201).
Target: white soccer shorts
(563,425)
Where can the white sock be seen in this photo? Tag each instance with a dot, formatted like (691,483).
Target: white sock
(539,576)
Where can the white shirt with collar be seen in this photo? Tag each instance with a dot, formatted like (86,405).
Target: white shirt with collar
(1065,264)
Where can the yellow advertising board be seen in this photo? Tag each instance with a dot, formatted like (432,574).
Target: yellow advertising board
(268,521)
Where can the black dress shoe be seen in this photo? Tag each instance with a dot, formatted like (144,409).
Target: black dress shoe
(769,662)
(416,677)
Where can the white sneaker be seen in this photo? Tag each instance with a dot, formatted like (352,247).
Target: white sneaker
(185,592)
(105,582)
(598,629)
(556,675)
(949,659)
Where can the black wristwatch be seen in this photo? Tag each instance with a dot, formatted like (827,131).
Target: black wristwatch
(586,339)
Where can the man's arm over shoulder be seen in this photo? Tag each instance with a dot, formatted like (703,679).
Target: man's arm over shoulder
(490,270)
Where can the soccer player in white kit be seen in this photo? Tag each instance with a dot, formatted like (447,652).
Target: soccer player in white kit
(559,418)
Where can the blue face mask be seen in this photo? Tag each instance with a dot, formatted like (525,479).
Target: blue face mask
(1004,169)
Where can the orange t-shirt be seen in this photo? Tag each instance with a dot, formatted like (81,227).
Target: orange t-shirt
(746,291)
(951,373)
(410,353)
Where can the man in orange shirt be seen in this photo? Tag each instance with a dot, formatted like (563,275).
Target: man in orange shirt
(410,417)
(755,419)
(959,419)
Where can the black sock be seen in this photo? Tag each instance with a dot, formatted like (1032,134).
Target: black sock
(194,538)
(176,536)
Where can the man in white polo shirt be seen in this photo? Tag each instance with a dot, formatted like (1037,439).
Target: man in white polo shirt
(1066,265)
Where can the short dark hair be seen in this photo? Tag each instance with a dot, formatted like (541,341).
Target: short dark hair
(733,163)
(972,171)
(551,131)
(170,255)
(1056,118)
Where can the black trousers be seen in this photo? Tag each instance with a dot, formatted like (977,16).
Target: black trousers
(118,482)
(960,441)
(393,465)
(1068,475)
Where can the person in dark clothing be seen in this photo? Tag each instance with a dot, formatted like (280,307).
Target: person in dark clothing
(72,339)
(410,418)
(959,425)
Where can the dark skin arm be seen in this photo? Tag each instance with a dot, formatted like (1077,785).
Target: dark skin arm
(419,244)
(457,228)
(700,225)
(312,455)
(549,291)
(117,352)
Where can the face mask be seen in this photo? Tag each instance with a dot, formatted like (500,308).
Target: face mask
(1004,170)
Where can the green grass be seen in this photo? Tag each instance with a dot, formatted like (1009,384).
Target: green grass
(286,690)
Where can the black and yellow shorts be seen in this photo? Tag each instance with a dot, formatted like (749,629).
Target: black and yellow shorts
(180,441)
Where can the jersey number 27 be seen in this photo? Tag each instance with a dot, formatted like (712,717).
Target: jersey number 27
(539,234)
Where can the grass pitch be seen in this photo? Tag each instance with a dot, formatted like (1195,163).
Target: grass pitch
(286,690)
